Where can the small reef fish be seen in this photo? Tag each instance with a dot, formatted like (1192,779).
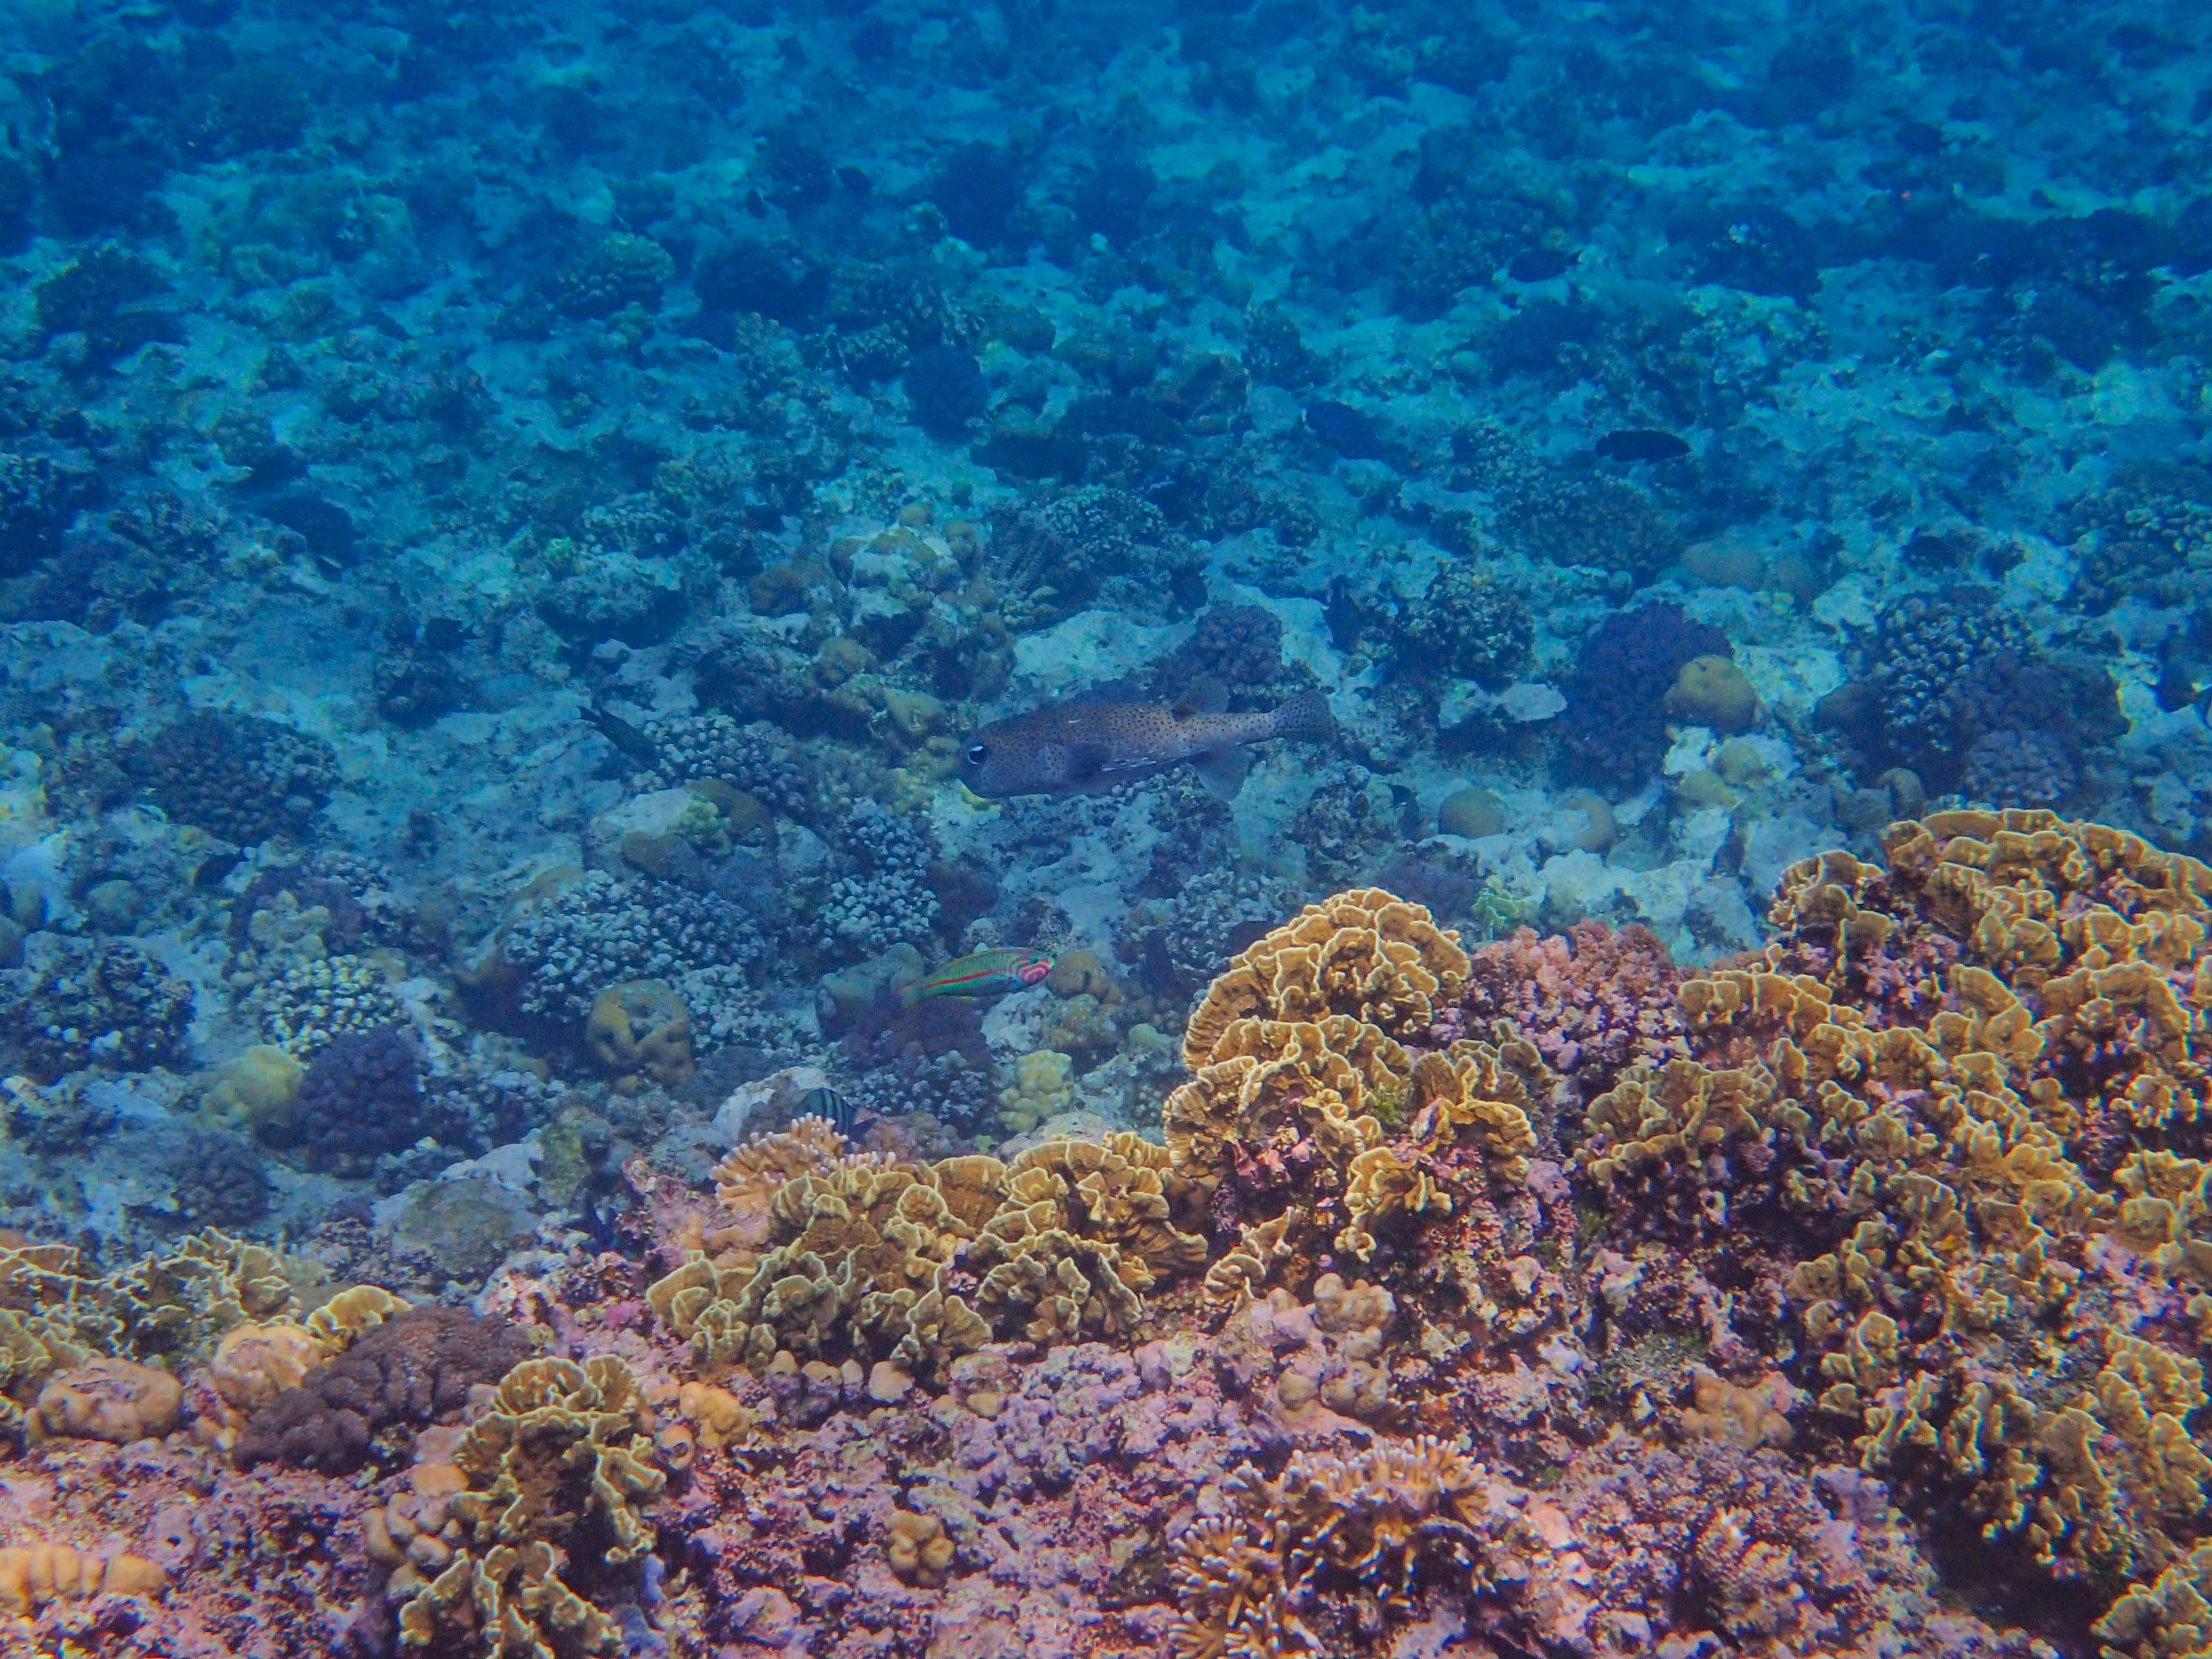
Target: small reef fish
(827,1104)
(1351,433)
(1537,265)
(626,738)
(982,974)
(1642,444)
(1070,748)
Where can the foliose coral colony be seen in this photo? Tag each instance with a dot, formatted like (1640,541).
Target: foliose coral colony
(1173,829)
(1548,1327)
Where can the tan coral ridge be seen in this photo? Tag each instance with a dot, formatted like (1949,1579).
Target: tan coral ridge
(1306,1105)
(32,1575)
(1964,1070)
(557,1468)
(828,1255)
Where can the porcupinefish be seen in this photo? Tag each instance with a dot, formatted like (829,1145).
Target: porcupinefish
(1073,748)
(982,974)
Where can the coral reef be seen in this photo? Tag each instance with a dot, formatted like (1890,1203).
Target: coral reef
(237,776)
(554,1471)
(1614,730)
(1376,1521)
(868,1255)
(601,932)
(108,1005)
(511,523)
(1957,1073)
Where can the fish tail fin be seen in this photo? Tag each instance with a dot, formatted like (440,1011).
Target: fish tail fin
(1223,773)
(1306,715)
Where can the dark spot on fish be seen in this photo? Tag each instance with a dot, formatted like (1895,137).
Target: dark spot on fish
(1537,265)
(214,870)
(1639,443)
(2177,687)
(1350,432)
(855,181)
(445,632)
(327,527)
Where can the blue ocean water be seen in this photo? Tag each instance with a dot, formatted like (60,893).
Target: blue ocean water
(581,585)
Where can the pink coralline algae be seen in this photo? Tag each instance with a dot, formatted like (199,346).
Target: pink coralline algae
(1592,1000)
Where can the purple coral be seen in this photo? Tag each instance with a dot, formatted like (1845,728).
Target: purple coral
(1614,730)
(1239,645)
(1594,1000)
(2013,768)
(408,1372)
(361,1097)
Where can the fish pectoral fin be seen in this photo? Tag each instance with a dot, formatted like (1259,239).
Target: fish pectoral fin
(1222,773)
(1086,761)
(1205,694)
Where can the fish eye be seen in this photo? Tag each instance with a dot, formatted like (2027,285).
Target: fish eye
(976,754)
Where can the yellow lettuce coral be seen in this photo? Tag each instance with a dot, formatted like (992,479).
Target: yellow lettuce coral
(558,1468)
(1369,1525)
(858,1254)
(1958,1071)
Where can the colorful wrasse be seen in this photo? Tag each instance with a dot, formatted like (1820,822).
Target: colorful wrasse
(982,974)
